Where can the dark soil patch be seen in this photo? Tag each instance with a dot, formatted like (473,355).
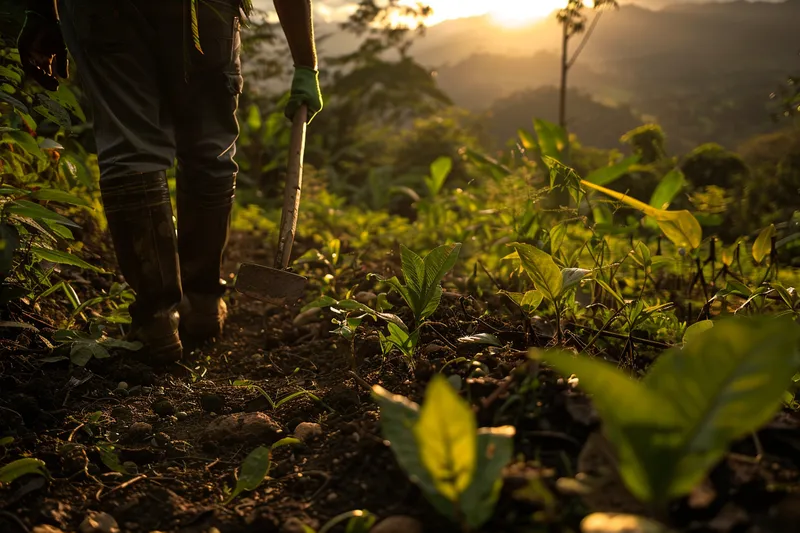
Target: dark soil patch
(178,477)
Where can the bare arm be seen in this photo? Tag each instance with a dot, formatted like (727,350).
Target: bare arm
(298,26)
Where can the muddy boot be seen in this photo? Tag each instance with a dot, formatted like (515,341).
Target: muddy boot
(140,220)
(204,215)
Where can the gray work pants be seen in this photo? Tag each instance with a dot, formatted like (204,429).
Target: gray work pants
(156,98)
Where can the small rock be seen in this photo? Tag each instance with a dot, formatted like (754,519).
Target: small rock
(46,528)
(332,497)
(398,524)
(257,358)
(122,386)
(307,431)
(181,415)
(243,427)
(212,403)
(138,431)
(99,523)
(366,297)
(163,408)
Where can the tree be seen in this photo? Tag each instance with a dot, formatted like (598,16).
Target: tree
(573,21)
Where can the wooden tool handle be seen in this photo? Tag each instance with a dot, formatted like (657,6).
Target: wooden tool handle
(294,183)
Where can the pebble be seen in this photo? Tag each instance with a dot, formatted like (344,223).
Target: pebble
(332,497)
(99,523)
(257,358)
(122,386)
(163,408)
(138,431)
(398,524)
(181,415)
(307,431)
(212,403)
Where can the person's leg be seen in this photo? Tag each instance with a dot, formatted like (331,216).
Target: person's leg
(206,132)
(111,43)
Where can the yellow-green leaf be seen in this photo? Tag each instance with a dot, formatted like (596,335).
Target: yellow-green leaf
(446,434)
(680,227)
(763,244)
(541,268)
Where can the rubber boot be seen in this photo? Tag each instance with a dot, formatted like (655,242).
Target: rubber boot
(204,217)
(140,221)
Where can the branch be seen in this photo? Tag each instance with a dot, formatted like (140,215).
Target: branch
(585,39)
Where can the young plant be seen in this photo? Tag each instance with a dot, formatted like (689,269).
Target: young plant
(674,425)
(85,346)
(422,290)
(551,283)
(255,468)
(457,466)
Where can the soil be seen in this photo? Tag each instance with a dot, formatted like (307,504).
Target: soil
(178,474)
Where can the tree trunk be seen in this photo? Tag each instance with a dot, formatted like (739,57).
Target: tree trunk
(562,104)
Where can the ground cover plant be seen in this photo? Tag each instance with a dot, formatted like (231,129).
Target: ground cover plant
(548,337)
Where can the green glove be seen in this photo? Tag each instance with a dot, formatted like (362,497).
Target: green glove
(305,90)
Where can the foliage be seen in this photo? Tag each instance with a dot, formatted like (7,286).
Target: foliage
(256,466)
(679,420)
(456,466)
(22,467)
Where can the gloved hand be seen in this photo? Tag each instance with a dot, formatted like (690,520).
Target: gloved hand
(305,90)
(42,49)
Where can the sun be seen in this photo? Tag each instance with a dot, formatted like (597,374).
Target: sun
(512,13)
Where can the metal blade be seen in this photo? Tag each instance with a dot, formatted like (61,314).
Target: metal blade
(278,287)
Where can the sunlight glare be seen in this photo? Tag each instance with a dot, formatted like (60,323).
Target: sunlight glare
(511,13)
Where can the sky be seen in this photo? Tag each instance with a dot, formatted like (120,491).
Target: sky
(508,12)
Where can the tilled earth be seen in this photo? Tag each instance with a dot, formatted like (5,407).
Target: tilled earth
(181,435)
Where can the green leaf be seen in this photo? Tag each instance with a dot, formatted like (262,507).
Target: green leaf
(24,140)
(414,276)
(440,169)
(62,258)
(76,170)
(763,245)
(541,268)
(669,187)
(110,458)
(528,301)
(726,383)
(552,139)
(572,276)
(696,329)
(680,227)
(9,242)
(643,433)
(37,212)
(557,235)
(132,346)
(481,338)
(611,173)
(57,195)
(5,441)
(22,467)
(254,469)
(495,449)
(437,263)
(82,352)
(447,439)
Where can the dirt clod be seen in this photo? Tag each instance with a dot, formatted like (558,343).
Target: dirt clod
(212,403)
(138,431)
(243,427)
(99,523)
(163,408)
(398,524)
(307,431)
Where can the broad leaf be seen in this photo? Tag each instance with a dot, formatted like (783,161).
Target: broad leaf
(22,467)
(541,268)
(680,227)
(552,139)
(611,173)
(37,212)
(414,275)
(495,448)
(572,276)
(254,469)
(25,141)
(763,245)
(437,263)
(62,258)
(726,383)
(447,440)
(440,169)
(667,189)
(63,197)
(84,350)
(528,301)
(557,235)
(481,338)
(696,329)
